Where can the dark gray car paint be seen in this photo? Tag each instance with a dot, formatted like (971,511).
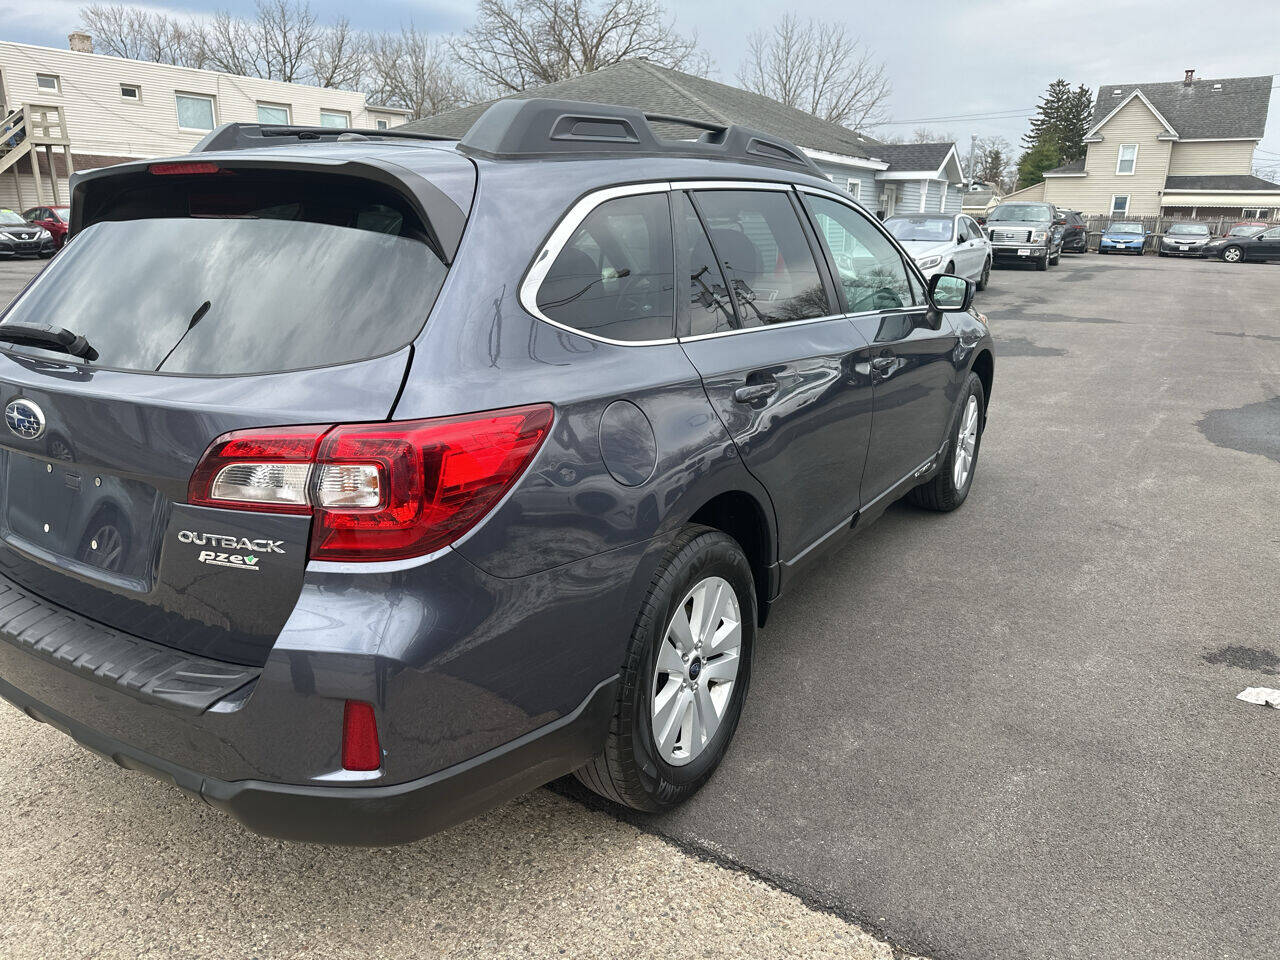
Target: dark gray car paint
(520,621)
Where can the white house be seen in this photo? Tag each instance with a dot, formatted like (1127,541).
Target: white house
(64,110)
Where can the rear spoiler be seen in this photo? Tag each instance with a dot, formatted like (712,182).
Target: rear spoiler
(442,217)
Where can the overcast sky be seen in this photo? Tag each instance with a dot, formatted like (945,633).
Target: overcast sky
(946,59)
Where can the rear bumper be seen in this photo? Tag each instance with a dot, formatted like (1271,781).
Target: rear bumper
(369,816)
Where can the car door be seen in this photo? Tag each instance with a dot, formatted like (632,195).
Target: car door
(761,324)
(1267,245)
(911,346)
(973,254)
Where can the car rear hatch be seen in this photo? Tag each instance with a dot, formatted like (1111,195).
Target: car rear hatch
(206,296)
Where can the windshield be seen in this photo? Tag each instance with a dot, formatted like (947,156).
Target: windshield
(1245,230)
(1189,230)
(64,213)
(1021,211)
(937,229)
(1125,228)
(234,296)
(10,219)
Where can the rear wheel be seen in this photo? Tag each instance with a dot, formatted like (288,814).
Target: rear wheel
(1233,254)
(985,277)
(950,485)
(685,676)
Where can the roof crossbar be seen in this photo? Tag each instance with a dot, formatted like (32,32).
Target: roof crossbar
(247,136)
(568,129)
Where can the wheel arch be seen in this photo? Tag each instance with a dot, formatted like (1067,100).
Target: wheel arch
(741,516)
(984,365)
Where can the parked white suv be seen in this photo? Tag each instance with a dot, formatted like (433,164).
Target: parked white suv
(944,243)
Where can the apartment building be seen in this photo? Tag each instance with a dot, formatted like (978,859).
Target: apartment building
(67,110)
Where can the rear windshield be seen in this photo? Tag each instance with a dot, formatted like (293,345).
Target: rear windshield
(236,275)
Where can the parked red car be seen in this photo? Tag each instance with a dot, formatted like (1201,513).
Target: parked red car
(53,219)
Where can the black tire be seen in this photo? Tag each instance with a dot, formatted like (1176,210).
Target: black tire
(1233,254)
(940,493)
(984,278)
(629,770)
(1058,259)
(1043,262)
(951,269)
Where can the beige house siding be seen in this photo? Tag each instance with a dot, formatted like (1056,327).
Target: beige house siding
(1033,192)
(1134,123)
(1198,158)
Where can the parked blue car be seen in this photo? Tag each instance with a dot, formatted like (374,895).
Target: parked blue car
(1123,238)
(378,478)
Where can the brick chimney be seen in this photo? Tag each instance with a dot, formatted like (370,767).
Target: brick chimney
(80,42)
(1188,76)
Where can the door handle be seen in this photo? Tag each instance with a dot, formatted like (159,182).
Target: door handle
(884,365)
(756,391)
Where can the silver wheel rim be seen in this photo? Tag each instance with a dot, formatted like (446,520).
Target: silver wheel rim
(696,669)
(966,443)
(1232,255)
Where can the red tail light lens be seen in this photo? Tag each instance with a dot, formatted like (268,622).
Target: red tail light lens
(360,747)
(377,491)
(183,167)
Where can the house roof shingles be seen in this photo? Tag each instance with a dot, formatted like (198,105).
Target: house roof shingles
(655,89)
(1197,111)
(1244,183)
(913,156)
(1075,166)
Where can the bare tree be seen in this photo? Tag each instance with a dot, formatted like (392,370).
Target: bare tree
(140,34)
(280,43)
(340,57)
(516,44)
(918,135)
(817,67)
(415,72)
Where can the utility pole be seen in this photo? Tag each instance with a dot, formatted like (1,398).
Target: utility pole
(973,148)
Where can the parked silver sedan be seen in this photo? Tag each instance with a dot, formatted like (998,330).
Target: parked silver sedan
(944,243)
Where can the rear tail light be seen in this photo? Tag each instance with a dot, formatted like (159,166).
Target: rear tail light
(376,491)
(360,747)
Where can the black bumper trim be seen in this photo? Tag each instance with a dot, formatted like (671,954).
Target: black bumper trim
(379,815)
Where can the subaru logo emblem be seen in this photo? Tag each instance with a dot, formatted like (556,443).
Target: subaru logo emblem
(24,418)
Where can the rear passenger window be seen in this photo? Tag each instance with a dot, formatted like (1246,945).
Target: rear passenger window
(707,307)
(872,274)
(614,277)
(765,255)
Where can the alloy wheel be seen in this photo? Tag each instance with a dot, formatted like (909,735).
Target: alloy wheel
(696,669)
(1231,254)
(966,443)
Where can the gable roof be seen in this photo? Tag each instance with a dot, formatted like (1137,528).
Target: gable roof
(1196,111)
(655,89)
(914,156)
(1241,182)
(1074,168)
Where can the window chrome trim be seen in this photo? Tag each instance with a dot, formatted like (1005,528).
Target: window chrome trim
(538,270)
(773,326)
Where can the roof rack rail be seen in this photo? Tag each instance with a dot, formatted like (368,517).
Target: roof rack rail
(246,136)
(544,128)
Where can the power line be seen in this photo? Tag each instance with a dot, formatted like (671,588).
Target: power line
(1010,114)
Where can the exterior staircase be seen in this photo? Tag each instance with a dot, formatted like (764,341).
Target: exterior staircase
(24,132)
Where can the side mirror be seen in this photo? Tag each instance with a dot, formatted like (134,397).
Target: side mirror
(950,294)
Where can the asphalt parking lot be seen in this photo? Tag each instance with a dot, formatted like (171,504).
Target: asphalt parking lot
(1010,731)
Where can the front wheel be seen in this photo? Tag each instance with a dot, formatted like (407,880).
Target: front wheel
(684,678)
(1233,254)
(1043,262)
(1058,258)
(950,485)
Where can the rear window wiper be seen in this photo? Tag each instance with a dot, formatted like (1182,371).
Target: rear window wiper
(47,338)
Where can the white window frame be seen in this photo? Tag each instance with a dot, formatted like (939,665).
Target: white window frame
(1133,163)
(381,123)
(288,112)
(213,105)
(1255,213)
(1120,213)
(853,188)
(137,93)
(57,83)
(345,114)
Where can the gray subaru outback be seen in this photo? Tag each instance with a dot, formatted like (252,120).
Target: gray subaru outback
(356,482)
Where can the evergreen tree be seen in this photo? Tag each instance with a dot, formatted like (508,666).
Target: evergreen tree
(1041,157)
(1048,125)
(1077,123)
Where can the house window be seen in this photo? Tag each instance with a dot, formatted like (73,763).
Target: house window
(335,118)
(853,188)
(48,83)
(1127,160)
(380,124)
(274,113)
(1255,213)
(195,112)
(1120,205)
(130,91)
